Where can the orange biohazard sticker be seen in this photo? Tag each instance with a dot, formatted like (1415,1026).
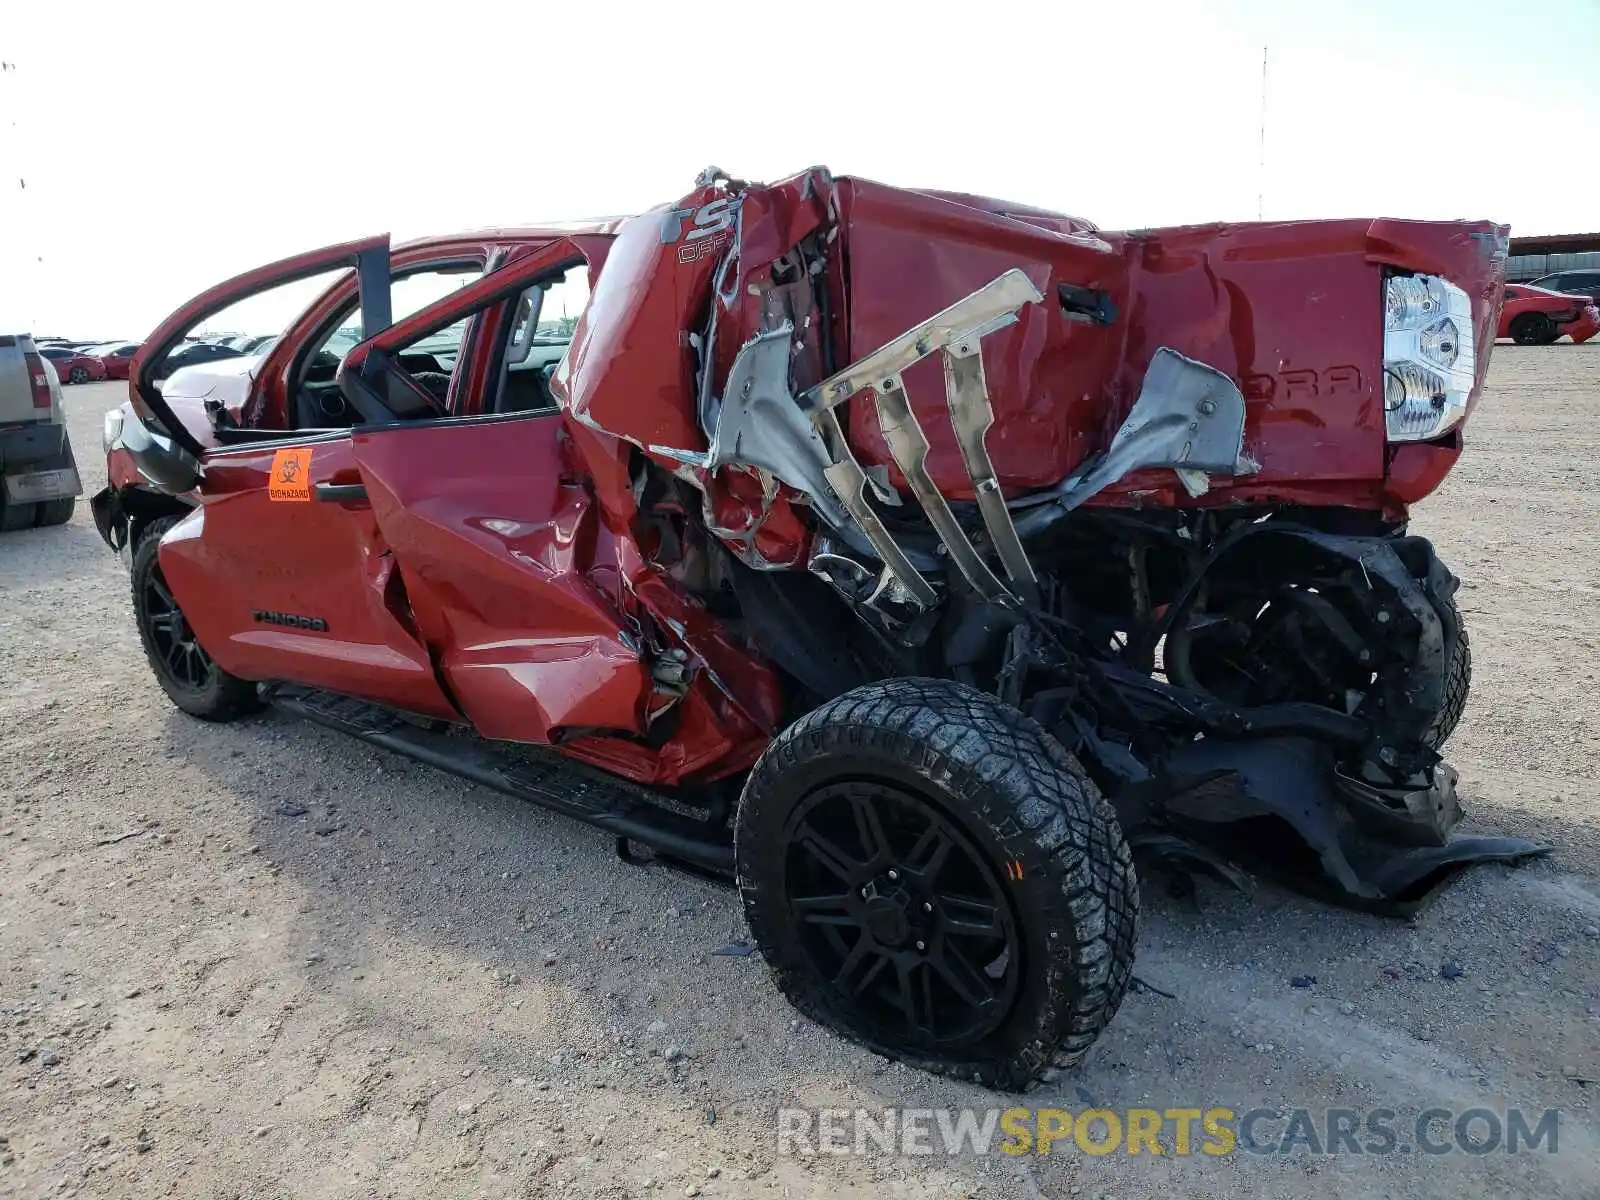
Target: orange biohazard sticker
(291,474)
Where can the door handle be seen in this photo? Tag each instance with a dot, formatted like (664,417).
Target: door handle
(337,493)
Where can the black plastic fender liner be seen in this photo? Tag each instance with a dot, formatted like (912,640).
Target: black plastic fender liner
(109,517)
(1293,779)
(1406,565)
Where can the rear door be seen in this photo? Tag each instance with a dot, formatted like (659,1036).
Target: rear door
(493,543)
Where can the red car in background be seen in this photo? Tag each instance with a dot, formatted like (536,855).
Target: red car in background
(74,366)
(116,356)
(1535,317)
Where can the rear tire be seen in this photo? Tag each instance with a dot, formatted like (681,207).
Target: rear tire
(78,375)
(1457,685)
(993,959)
(1533,329)
(17,516)
(56,512)
(189,676)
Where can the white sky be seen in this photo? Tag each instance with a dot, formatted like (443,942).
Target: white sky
(166,146)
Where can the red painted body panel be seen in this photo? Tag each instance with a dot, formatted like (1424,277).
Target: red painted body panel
(116,365)
(1416,469)
(630,370)
(1046,375)
(1292,311)
(1584,327)
(488,535)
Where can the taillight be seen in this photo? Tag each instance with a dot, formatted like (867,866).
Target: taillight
(38,380)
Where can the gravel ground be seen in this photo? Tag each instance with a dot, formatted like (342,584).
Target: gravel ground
(314,969)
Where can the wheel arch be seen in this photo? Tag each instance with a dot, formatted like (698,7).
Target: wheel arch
(142,507)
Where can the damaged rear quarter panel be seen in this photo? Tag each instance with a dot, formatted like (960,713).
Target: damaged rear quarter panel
(912,255)
(630,370)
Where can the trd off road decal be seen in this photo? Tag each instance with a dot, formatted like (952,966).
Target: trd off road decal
(701,232)
(291,474)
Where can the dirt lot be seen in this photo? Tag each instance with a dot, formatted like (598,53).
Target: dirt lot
(317,970)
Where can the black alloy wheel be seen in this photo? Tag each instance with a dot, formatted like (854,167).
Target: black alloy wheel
(893,903)
(177,654)
(1533,329)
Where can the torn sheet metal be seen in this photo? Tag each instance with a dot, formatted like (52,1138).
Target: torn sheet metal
(991,307)
(758,424)
(972,416)
(1189,416)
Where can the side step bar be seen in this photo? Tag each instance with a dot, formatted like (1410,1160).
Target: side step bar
(539,776)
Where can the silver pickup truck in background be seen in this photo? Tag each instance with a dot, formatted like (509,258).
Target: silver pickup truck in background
(38,475)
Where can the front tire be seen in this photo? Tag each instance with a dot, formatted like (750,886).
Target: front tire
(78,375)
(928,872)
(189,676)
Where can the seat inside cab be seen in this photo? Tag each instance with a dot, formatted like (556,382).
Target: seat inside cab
(541,331)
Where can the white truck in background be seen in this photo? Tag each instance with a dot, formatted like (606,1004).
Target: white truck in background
(38,476)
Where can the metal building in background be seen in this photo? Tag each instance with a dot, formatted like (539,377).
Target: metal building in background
(1532,257)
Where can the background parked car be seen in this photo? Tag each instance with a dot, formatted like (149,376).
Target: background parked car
(74,366)
(38,476)
(194,353)
(116,356)
(1535,317)
(248,343)
(1585,283)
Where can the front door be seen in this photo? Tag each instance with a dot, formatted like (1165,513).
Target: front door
(281,569)
(284,575)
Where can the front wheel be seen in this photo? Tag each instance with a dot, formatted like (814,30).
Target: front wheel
(189,676)
(78,375)
(928,872)
(1533,329)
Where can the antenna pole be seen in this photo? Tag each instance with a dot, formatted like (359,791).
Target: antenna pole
(1261,165)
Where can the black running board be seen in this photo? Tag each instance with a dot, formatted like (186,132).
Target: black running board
(539,776)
